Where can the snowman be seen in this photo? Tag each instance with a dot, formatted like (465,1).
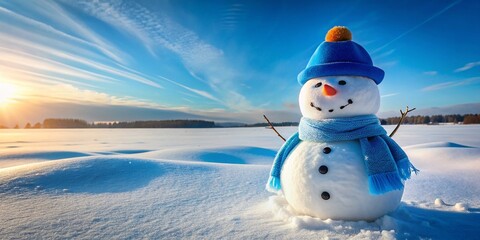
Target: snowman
(340,165)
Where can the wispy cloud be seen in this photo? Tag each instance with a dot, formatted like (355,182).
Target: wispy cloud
(58,59)
(59,50)
(468,66)
(451,84)
(50,52)
(389,95)
(41,93)
(66,26)
(45,34)
(70,22)
(27,76)
(417,26)
(232,15)
(69,93)
(384,54)
(119,15)
(193,90)
(290,105)
(200,58)
(430,73)
(387,64)
(23,60)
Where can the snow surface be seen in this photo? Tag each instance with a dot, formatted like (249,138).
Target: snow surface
(209,184)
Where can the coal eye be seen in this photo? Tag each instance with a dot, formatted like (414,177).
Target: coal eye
(341,82)
(318,85)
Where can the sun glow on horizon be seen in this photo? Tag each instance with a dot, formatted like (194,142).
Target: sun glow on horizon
(7,93)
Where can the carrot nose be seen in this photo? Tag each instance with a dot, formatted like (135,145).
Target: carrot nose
(328,90)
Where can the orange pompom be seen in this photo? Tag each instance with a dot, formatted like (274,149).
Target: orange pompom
(337,34)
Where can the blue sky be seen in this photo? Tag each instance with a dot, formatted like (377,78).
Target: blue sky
(223,60)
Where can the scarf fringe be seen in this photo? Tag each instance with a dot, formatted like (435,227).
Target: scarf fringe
(405,168)
(384,182)
(273,184)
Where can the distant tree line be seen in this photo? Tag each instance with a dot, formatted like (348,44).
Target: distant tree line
(158,124)
(79,123)
(65,123)
(35,126)
(434,119)
(472,119)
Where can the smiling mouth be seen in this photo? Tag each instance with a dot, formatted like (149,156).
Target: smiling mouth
(350,101)
(313,105)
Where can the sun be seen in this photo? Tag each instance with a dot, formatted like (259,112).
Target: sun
(7,93)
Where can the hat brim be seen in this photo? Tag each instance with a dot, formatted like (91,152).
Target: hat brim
(341,69)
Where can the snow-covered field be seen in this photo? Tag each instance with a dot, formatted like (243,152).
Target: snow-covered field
(209,184)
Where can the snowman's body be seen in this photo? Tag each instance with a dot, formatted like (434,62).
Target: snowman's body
(310,171)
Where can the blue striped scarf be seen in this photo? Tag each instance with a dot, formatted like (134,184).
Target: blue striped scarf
(386,163)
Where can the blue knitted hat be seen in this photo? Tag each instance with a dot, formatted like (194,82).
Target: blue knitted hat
(340,56)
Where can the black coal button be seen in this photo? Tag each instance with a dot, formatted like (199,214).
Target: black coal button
(325,195)
(327,150)
(323,169)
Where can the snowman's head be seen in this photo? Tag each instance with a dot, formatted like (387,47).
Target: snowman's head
(339,79)
(339,96)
